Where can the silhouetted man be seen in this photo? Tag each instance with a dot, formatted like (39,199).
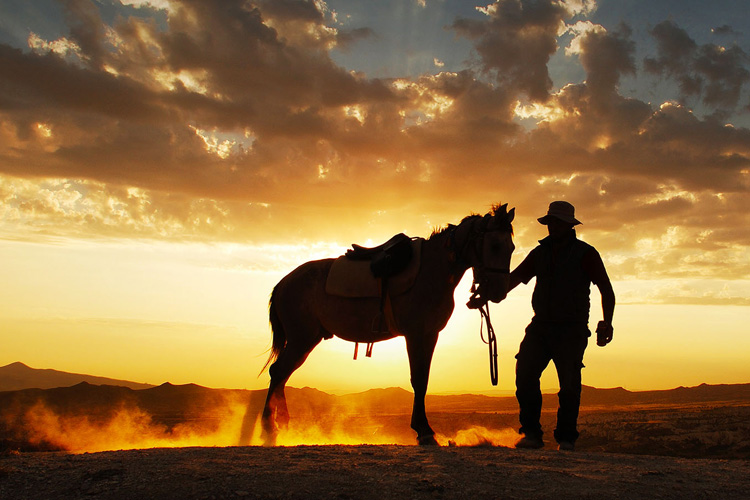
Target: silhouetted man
(564,267)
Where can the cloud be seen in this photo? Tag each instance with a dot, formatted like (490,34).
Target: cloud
(230,121)
(580,29)
(687,292)
(516,43)
(606,57)
(125,107)
(579,7)
(713,73)
(346,38)
(724,29)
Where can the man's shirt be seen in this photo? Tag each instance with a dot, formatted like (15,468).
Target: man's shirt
(591,263)
(564,267)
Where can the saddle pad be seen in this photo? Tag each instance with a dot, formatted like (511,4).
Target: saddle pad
(353,278)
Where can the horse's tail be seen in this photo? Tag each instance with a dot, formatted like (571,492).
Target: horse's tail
(279,335)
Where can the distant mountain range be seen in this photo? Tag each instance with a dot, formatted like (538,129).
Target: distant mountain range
(27,414)
(17,376)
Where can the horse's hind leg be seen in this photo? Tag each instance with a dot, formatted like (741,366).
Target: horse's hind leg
(275,412)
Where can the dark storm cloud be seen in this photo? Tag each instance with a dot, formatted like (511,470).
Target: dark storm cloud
(725,72)
(713,73)
(257,81)
(595,114)
(48,84)
(606,57)
(517,42)
(724,29)
(622,135)
(292,10)
(346,38)
(86,29)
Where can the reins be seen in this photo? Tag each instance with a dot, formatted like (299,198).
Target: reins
(462,261)
(491,341)
(484,310)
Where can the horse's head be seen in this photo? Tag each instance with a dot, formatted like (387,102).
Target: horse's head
(488,245)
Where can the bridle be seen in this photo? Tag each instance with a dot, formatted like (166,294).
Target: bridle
(475,238)
(474,243)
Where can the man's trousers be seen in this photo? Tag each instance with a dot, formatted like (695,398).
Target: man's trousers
(564,344)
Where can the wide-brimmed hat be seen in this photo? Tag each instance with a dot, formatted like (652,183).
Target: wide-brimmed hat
(561,210)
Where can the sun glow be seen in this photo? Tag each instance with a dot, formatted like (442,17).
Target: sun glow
(431,104)
(550,179)
(44,130)
(356,112)
(579,30)
(540,112)
(603,142)
(194,81)
(214,145)
(61,46)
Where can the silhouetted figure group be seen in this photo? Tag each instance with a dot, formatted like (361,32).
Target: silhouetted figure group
(315,302)
(564,267)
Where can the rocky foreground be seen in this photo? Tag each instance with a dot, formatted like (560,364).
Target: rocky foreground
(366,472)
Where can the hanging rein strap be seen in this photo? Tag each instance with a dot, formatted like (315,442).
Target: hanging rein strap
(484,310)
(491,341)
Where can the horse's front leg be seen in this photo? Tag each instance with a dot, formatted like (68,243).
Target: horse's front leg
(420,349)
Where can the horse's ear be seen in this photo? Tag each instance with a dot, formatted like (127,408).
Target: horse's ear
(511,215)
(504,208)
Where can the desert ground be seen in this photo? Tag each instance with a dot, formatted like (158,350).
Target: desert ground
(628,453)
(366,472)
(185,442)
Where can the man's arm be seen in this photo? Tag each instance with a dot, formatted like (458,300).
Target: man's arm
(608,300)
(594,266)
(521,274)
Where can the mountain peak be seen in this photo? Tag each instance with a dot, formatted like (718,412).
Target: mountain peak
(17,376)
(16,365)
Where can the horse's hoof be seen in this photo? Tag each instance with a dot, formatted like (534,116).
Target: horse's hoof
(269,442)
(268,434)
(269,438)
(427,441)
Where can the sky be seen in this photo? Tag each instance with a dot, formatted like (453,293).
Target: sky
(163,164)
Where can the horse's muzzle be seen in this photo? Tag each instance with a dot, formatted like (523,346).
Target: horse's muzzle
(492,291)
(495,289)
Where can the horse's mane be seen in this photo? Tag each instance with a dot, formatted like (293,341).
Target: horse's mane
(496,209)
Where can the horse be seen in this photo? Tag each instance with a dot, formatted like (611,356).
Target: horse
(302,314)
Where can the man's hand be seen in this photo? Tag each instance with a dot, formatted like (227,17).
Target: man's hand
(604,333)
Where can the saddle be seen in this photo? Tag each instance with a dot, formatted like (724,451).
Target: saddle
(384,271)
(387,259)
(355,278)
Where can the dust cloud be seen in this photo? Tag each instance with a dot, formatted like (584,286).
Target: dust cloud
(127,428)
(230,424)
